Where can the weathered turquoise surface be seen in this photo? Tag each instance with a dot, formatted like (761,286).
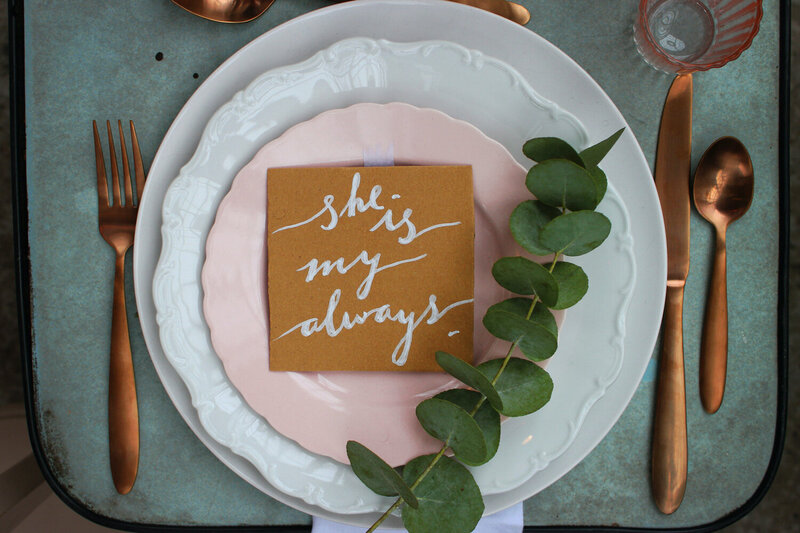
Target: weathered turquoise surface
(92,59)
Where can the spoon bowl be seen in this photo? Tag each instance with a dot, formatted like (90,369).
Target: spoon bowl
(230,11)
(723,191)
(723,182)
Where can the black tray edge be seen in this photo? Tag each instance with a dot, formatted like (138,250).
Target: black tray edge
(23,276)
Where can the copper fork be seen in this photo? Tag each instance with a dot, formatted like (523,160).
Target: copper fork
(117,221)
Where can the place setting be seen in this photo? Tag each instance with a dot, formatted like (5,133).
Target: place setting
(394,273)
(372,112)
(375,110)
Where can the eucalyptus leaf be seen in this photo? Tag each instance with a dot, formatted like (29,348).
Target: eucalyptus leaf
(533,339)
(377,475)
(524,386)
(527,220)
(594,154)
(562,183)
(576,233)
(572,284)
(454,426)
(600,181)
(486,416)
(543,148)
(470,376)
(523,276)
(449,499)
(521,307)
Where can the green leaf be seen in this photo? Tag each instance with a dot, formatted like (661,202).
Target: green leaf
(572,284)
(521,306)
(576,233)
(486,416)
(524,386)
(527,220)
(543,148)
(449,499)
(562,183)
(600,181)
(536,341)
(451,424)
(523,276)
(376,474)
(594,154)
(469,375)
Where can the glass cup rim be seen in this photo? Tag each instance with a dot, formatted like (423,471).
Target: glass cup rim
(686,67)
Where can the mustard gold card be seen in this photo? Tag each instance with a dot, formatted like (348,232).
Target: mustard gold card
(369,268)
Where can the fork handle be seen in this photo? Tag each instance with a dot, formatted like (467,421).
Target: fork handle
(123,413)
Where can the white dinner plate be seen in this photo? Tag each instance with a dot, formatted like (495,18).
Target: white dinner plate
(554,75)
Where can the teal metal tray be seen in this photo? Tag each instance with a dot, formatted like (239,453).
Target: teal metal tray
(62,79)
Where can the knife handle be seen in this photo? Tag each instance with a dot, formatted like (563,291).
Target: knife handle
(669,432)
(714,347)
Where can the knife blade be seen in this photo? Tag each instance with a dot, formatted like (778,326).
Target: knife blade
(672,174)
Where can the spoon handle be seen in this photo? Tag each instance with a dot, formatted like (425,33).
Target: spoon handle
(714,347)
(670,454)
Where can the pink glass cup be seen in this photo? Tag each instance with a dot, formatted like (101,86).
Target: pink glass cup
(682,36)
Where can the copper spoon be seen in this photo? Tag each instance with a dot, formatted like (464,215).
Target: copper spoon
(723,190)
(231,11)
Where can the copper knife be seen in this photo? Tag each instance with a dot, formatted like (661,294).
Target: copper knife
(672,174)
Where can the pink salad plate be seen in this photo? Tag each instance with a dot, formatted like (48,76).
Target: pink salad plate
(322,411)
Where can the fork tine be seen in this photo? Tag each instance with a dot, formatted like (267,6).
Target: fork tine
(114,171)
(126,170)
(138,167)
(102,182)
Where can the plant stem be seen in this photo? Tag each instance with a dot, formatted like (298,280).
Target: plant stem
(414,485)
(429,467)
(385,515)
(514,344)
(439,455)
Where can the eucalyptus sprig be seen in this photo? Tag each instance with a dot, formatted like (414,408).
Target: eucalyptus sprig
(437,492)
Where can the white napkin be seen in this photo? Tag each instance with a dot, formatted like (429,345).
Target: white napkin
(506,521)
